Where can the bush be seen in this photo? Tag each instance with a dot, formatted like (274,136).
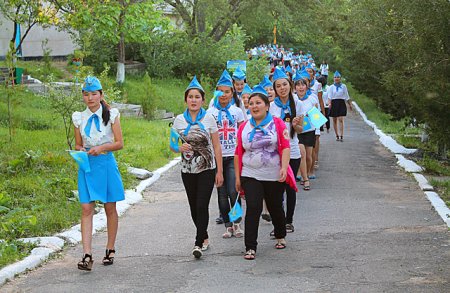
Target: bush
(199,56)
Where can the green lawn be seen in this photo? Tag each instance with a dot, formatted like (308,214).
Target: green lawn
(37,176)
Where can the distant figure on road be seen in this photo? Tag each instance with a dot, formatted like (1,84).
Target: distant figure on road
(338,94)
(201,152)
(98,132)
(261,166)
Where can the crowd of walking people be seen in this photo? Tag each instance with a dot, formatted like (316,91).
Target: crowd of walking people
(259,147)
(252,143)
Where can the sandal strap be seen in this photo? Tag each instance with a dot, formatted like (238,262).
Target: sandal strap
(84,262)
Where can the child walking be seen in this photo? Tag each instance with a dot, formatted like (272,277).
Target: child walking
(97,132)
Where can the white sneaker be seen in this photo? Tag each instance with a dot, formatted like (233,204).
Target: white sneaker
(228,233)
(197,252)
(238,232)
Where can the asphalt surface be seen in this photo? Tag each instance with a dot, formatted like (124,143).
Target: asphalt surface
(365,226)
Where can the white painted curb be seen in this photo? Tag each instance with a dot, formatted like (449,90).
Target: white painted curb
(385,140)
(49,245)
(410,166)
(423,182)
(439,206)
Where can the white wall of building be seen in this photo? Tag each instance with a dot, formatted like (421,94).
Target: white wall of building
(59,42)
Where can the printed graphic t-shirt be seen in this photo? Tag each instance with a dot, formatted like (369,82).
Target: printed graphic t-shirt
(227,130)
(201,157)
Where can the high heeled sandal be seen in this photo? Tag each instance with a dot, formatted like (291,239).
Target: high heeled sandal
(108,260)
(306,187)
(85,264)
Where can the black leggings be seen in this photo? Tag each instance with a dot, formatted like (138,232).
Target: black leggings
(199,189)
(255,192)
(291,195)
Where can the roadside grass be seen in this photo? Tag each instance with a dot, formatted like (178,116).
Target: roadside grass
(443,189)
(409,137)
(38,177)
(13,251)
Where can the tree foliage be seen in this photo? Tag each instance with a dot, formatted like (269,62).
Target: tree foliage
(397,52)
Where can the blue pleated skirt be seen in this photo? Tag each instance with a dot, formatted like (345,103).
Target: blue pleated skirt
(103,183)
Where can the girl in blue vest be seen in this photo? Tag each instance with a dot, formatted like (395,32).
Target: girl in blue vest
(98,132)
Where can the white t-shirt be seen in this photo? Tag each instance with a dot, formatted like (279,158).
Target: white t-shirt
(307,105)
(293,142)
(316,87)
(201,157)
(105,135)
(261,159)
(227,130)
(342,93)
(325,98)
(324,69)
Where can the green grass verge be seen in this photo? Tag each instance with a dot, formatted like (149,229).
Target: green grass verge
(13,251)
(443,188)
(37,176)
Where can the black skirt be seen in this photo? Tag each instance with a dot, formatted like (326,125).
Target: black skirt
(338,108)
(307,138)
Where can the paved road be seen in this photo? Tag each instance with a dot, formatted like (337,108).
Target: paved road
(364,227)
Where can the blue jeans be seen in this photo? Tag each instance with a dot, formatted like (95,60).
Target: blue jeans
(227,193)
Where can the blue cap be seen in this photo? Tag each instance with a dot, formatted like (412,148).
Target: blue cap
(238,74)
(194,85)
(301,75)
(266,82)
(91,83)
(247,89)
(225,79)
(337,74)
(279,74)
(309,66)
(258,89)
(289,69)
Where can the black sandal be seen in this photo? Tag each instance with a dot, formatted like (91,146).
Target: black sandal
(109,260)
(84,264)
(306,187)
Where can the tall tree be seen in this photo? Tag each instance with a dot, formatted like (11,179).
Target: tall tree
(217,16)
(27,14)
(118,21)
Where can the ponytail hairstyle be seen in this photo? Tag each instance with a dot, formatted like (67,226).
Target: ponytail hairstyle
(236,99)
(291,104)
(106,115)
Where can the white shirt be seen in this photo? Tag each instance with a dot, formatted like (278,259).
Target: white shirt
(227,130)
(341,94)
(293,142)
(307,105)
(201,158)
(105,135)
(324,69)
(325,98)
(317,87)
